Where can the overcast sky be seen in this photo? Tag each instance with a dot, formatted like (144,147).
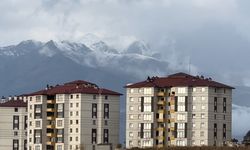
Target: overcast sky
(214,34)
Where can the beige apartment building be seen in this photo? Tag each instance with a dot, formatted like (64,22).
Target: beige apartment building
(178,110)
(13,124)
(75,115)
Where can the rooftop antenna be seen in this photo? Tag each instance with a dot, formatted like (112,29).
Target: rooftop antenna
(189,63)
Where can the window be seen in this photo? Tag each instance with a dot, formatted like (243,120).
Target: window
(202,116)
(224,105)
(147,90)
(76,130)
(37,147)
(70,130)
(15,133)
(38,124)
(106,111)
(194,98)
(131,134)
(181,108)
(181,117)
(94,136)
(94,110)
(180,134)
(202,142)
(202,133)
(181,90)
(105,136)
(105,122)
(203,107)
(131,108)
(38,98)
(131,99)
(147,126)
(94,122)
(202,125)
(59,147)
(15,144)
(147,108)
(30,107)
(77,121)
(59,123)
(71,105)
(194,89)
(203,89)
(71,121)
(77,104)
(180,143)
(77,113)
(131,116)
(94,96)
(147,100)
(77,96)
(15,122)
(194,107)
(71,96)
(131,125)
(77,138)
(194,125)
(215,104)
(202,98)
(181,126)
(71,113)
(16,109)
(132,90)
(193,116)
(70,138)
(106,97)
(147,117)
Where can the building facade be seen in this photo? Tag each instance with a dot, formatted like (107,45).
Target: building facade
(13,124)
(76,115)
(178,110)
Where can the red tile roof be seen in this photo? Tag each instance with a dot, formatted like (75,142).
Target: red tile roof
(178,79)
(14,103)
(78,86)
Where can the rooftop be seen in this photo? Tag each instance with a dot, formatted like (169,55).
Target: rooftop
(178,79)
(78,86)
(14,103)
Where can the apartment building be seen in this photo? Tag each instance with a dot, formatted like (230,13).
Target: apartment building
(75,115)
(178,110)
(13,124)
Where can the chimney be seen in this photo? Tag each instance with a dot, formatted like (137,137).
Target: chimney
(10,97)
(15,98)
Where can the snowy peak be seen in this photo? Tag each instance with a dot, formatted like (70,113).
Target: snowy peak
(138,47)
(103,47)
(22,48)
(90,39)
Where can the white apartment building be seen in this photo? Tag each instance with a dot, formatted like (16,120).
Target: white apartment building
(13,124)
(178,110)
(76,115)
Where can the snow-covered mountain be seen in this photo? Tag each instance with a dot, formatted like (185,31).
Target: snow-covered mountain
(42,62)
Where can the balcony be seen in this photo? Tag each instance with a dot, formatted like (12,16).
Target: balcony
(172,102)
(50,117)
(51,135)
(50,110)
(161,102)
(51,101)
(50,143)
(160,129)
(161,93)
(160,120)
(172,111)
(161,111)
(172,138)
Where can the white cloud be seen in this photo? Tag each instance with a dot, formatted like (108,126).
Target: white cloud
(240,121)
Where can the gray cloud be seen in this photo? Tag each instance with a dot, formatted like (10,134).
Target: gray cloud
(214,34)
